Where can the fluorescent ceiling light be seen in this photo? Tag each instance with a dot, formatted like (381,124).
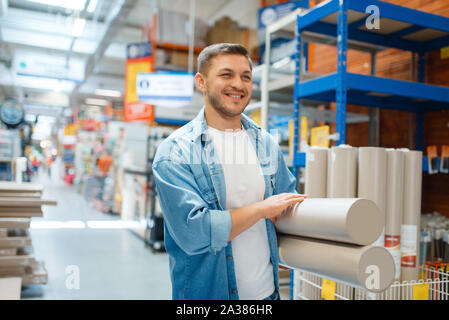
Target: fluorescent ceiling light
(98,102)
(69,4)
(92,5)
(108,93)
(78,27)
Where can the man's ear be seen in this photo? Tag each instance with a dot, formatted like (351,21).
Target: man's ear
(200,82)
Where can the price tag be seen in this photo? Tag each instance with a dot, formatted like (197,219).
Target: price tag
(319,136)
(421,292)
(444,53)
(328,290)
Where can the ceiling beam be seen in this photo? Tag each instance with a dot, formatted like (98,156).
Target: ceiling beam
(114,22)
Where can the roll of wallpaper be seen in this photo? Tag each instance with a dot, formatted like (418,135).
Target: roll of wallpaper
(410,228)
(342,172)
(394,206)
(315,187)
(316,172)
(366,267)
(350,220)
(372,178)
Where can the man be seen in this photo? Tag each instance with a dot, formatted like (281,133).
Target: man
(222,182)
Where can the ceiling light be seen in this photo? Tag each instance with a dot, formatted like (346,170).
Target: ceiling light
(108,93)
(78,27)
(98,102)
(68,4)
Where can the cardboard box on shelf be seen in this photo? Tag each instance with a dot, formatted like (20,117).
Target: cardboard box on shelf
(226,30)
(181,59)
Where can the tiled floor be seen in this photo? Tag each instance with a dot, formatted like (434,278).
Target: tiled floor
(86,259)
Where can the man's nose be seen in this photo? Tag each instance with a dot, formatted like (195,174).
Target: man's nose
(237,83)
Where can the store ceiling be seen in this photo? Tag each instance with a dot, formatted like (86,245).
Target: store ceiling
(39,45)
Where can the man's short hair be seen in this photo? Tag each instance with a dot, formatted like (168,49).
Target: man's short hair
(210,52)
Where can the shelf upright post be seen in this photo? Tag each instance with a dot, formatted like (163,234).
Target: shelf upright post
(420,113)
(264,94)
(342,49)
(296,123)
(296,111)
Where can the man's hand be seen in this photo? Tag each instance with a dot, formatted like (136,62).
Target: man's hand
(272,207)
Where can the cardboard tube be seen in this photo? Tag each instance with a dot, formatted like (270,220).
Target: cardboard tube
(394,206)
(315,187)
(356,221)
(342,172)
(410,229)
(370,268)
(316,172)
(372,179)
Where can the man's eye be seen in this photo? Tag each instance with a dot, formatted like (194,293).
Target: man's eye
(226,75)
(247,77)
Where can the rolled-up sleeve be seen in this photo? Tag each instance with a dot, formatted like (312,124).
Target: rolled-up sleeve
(191,223)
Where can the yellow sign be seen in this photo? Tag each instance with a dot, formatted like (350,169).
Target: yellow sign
(256,116)
(421,292)
(304,128)
(444,53)
(319,136)
(132,69)
(291,128)
(328,289)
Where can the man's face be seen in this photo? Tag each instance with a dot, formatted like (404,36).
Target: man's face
(228,84)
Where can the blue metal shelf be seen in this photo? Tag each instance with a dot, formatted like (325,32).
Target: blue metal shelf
(377,92)
(401,28)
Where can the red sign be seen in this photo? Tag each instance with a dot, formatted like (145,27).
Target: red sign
(140,59)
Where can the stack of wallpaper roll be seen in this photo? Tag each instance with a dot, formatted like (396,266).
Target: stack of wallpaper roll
(331,237)
(18,203)
(389,179)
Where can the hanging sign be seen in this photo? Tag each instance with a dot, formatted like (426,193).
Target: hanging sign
(139,59)
(165,89)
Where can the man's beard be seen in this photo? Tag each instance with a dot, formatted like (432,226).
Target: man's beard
(219,107)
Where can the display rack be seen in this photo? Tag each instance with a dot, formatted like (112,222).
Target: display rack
(344,23)
(432,285)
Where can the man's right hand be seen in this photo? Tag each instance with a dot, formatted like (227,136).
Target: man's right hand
(272,207)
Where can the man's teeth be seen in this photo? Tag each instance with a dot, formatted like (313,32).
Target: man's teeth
(235,96)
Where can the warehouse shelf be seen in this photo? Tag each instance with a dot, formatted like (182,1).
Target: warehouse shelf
(343,23)
(309,110)
(400,28)
(377,92)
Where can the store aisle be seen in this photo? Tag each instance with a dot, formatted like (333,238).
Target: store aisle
(80,245)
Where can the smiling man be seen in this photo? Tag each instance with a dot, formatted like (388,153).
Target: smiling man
(222,182)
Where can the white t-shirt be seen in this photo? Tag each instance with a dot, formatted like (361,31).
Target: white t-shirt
(245,185)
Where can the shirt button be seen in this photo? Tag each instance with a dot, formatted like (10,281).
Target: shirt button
(229,258)
(234,291)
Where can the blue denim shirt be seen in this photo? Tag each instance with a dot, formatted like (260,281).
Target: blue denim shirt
(191,189)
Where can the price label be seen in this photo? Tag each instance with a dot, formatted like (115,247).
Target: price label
(444,53)
(421,292)
(328,290)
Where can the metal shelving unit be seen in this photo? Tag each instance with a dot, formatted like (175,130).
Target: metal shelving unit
(343,23)
(401,28)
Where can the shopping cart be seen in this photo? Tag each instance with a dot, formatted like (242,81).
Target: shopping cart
(433,284)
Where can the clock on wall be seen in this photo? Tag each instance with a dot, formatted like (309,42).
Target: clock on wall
(11,113)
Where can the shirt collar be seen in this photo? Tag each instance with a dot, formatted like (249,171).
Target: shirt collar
(200,124)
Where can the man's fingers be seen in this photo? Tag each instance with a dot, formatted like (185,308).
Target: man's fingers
(294,196)
(294,200)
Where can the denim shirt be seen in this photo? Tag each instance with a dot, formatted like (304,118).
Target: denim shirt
(192,194)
